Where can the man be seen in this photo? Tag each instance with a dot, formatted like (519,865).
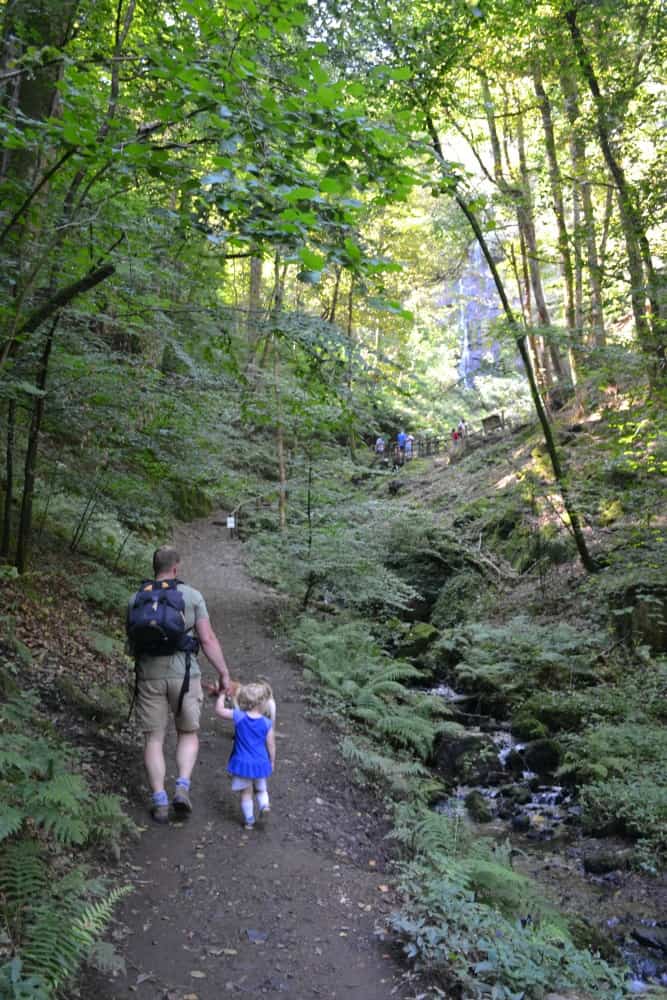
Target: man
(161,690)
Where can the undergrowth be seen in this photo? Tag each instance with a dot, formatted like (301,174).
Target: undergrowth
(52,914)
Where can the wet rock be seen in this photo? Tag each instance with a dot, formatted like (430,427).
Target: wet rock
(471,758)
(518,794)
(478,807)
(514,761)
(651,937)
(603,862)
(521,822)
(542,756)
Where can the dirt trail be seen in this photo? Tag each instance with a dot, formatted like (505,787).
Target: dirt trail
(290,910)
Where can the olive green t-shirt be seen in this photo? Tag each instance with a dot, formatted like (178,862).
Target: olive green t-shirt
(157,668)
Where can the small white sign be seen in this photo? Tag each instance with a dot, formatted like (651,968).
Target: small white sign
(231,522)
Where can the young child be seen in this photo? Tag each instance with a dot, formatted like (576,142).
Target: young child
(254,752)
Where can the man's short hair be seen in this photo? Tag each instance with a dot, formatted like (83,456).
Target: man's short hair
(164,558)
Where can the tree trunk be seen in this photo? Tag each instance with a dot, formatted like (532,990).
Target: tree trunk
(520,195)
(526,217)
(581,194)
(25,520)
(640,265)
(254,302)
(279,288)
(331,312)
(556,184)
(586,559)
(9,477)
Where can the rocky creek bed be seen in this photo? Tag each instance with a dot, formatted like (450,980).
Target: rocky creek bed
(506,788)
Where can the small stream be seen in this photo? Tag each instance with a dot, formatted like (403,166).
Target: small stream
(541,820)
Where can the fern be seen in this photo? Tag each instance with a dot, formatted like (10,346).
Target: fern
(400,775)
(24,874)
(62,935)
(53,922)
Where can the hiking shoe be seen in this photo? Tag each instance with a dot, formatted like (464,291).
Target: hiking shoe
(160,814)
(249,824)
(181,801)
(264,815)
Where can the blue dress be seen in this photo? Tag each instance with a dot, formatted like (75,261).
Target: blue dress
(250,758)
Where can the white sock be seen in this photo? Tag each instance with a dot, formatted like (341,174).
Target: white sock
(262,800)
(247,810)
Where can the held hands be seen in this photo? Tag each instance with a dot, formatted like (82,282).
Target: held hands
(215,690)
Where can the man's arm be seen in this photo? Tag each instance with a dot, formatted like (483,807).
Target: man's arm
(213,650)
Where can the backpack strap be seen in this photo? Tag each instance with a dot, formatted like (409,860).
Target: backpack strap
(185,686)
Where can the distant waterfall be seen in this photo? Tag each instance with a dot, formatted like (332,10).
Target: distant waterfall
(478,307)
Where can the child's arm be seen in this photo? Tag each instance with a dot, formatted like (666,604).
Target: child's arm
(271,746)
(224,713)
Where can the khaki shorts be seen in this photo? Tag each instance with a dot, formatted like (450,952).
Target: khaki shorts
(155,699)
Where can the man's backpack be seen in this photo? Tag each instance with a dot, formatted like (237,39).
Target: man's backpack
(156,626)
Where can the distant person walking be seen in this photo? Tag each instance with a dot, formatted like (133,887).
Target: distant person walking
(462,428)
(253,756)
(380,445)
(401,438)
(168,674)
(409,442)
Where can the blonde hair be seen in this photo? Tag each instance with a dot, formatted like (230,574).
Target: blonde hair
(253,695)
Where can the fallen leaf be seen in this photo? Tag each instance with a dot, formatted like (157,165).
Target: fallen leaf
(198,974)
(383,888)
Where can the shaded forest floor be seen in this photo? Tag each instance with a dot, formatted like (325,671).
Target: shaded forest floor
(296,909)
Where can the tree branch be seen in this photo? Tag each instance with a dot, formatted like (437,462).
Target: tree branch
(60,299)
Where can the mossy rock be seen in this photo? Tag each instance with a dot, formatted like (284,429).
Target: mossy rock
(527,727)
(456,600)
(191,501)
(586,935)
(417,640)
(518,794)
(542,756)
(101,704)
(640,613)
(546,714)
(478,807)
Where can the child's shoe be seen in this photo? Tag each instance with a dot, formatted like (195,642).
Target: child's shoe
(249,824)
(264,815)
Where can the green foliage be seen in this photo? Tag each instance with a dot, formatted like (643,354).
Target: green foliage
(478,926)
(106,590)
(368,685)
(402,776)
(621,769)
(509,661)
(39,786)
(340,557)
(54,922)
(52,913)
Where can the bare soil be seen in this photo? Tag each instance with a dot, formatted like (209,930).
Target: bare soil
(297,908)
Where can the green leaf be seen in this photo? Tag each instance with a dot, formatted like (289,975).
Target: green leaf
(312,261)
